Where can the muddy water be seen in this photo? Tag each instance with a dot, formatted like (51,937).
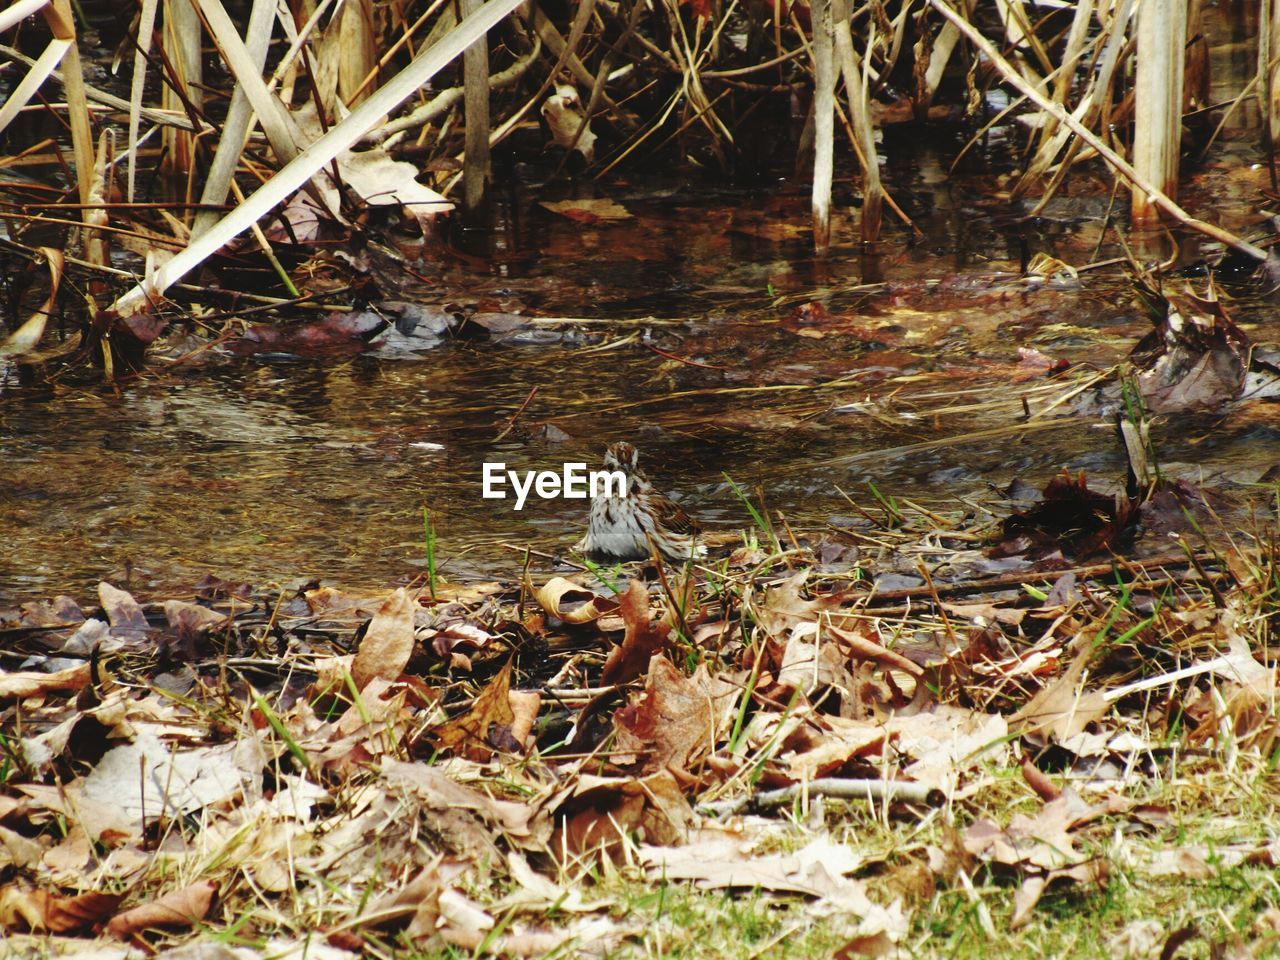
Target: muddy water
(276,468)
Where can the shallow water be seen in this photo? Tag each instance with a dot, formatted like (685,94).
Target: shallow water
(278,468)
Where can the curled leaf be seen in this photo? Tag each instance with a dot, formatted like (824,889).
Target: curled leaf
(572,603)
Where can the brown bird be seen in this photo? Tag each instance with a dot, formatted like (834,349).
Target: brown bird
(621,527)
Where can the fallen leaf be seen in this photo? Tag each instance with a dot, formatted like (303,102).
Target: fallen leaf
(432,790)
(1044,840)
(38,910)
(388,643)
(588,211)
(148,778)
(677,720)
(191,620)
(572,603)
(1061,708)
(1093,872)
(486,726)
(642,639)
(602,813)
(563,112)
(123,612)
(19,686)
(180,908)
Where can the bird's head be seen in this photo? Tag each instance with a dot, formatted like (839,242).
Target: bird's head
(621,456)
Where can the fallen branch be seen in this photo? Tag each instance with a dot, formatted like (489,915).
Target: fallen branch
(882,790)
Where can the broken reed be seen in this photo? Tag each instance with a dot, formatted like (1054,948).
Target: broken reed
(653,75)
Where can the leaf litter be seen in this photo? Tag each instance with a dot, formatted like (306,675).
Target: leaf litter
(372,773)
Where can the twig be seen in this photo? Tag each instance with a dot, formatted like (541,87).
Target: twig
(544,556)
(691,363)
(1086,571)
(516,416)
(882,790)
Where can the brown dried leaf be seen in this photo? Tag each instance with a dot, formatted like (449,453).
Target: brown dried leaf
(1062,708)
(191,620)
(439,792)
(123,612)
(572,603)
(50,913)
(486,727)
(600,812)
(419,899)
(817,870)
(641,641)
(811,753)
(524,714)
(180,908)
(1044,840)
(19,686)
(864,648)
(18,851)
(944,741)
(719,862)
(1093,872)
(388,643)
(677,720)
(448,637)
(589,211)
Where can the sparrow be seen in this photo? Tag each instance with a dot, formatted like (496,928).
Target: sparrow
(621,527)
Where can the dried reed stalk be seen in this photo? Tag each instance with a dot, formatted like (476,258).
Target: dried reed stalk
(316,155)
(184,92)
(824,107)
(1269,71)
(476,167)
(1157,135)
(1117,163)
(239,121)
(864,142)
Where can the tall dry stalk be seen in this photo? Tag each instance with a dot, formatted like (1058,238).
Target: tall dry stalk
(1269,71)
(938,56)
(316,155)
(824,107)
(78,118)
(1157,136)
(476,170)
(181,39)
(240,117)
(146,28)
(1117,163)
(854,70)
(1092,105)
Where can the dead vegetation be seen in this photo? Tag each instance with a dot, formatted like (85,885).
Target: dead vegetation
(452,770)
(307,130)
